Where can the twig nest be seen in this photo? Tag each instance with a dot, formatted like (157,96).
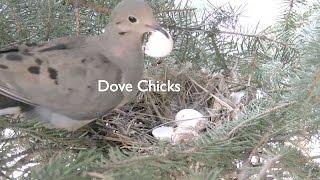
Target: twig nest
(163,133)
(190,119)
(159,44)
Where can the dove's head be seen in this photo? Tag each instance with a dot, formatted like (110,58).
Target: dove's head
(135,16)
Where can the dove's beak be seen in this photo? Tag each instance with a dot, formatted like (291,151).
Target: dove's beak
(157,27)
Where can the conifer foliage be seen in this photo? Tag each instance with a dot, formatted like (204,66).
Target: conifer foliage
(268,132)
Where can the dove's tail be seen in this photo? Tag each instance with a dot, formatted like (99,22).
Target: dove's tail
(9,106)
(50,119)
(54,120)
(10,111)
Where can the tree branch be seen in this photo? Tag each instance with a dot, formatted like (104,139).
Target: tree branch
(314,83)
(77,15)
(243,173)
(84,4)
(48,24)
(267,112)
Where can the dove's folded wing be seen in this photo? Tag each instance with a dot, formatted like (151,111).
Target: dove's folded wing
(10,93)
(10,56)
(19,56)
(62,77)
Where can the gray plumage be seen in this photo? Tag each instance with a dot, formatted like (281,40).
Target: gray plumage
(60,79)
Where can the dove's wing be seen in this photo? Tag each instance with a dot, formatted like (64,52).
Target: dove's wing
(62,76)
(6,56)
(16,54)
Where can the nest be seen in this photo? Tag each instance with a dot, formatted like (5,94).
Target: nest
(221,97)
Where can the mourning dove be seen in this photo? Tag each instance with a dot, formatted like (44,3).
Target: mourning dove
(60,79)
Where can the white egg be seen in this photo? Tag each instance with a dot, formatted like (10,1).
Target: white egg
(236,97)
(163,133)
(184,135)
(159,45)
(190,119)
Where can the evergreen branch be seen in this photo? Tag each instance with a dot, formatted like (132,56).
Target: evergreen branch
(85,4)
(247,163)
(49,21)
(133,161)
(177,10)
(23,153)
(263,114)
(314,83)
(288,15)
(104,10)
(77,15)
(43,135)
(263,172)
(16,20)
(219,56)
(262,37)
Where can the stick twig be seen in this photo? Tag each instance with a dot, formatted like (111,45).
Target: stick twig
(49,21)
(77,14)
(212,95)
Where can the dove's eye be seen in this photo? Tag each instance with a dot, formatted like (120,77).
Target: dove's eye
(133,19)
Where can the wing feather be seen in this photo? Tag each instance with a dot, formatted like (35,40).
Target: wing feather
(29,52)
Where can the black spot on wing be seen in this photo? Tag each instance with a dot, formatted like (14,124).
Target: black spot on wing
(14,57)
(54,48)
(34,69)
(26,52)
(12,49)
(83,61)
(3,66)
(122,33)
(53,73)
(39,61)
